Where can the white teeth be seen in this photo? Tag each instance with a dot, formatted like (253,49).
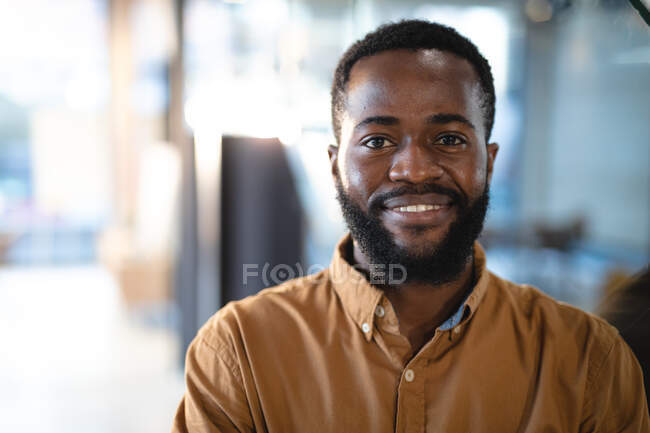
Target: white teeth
(419,208)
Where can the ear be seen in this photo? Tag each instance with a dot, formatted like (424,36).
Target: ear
(333,152)
(492,150)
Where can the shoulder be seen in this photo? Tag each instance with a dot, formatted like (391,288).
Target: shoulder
(580,350)
(294,301)
(536,306)
(568,328)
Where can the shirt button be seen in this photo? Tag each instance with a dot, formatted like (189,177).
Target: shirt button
(379,311)
(457,329)
(365,327)
(409,375)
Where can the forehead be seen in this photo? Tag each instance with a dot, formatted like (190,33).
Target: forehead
(405,82)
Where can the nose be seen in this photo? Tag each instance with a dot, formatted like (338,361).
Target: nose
(415,164)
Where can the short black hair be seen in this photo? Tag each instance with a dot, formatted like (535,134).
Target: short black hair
(413,35)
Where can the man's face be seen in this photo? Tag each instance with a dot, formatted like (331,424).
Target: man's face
(412,168)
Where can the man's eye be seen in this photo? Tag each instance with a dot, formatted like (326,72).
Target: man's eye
(450,140)
(377,143)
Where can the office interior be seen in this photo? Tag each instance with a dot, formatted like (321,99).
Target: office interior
(159,158)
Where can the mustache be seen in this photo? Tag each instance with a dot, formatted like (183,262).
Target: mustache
(377,202)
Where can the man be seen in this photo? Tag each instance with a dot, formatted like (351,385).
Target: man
(407,330)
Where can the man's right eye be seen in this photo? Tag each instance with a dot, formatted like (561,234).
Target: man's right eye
(377,143)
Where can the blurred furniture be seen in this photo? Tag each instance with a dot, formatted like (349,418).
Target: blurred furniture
(562,237)
(6,239)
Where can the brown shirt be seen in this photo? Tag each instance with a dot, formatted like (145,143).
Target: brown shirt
(324,354)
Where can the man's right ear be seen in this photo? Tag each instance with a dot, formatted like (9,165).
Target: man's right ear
(333,152)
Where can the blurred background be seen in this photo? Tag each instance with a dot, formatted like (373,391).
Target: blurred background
(149,149)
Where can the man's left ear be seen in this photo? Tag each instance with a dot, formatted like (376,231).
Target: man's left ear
(492,150)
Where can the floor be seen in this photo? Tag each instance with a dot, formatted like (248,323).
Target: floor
(73,358)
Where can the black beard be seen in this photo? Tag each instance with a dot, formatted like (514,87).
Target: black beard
(436,265)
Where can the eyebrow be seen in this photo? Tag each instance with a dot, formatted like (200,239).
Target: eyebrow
(443,118)
(377,120)
(439,119)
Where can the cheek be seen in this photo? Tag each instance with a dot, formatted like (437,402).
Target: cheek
(359,179)
(471,175)
(479,171)
(479,179)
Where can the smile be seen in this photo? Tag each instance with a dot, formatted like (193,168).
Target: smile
(418,215)
(417,208)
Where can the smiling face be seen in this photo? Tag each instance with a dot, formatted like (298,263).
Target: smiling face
(412,156)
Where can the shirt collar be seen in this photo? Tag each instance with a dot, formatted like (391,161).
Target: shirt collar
(455,318)
(360,298)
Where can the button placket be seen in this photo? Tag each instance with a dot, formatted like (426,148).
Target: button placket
(410,400)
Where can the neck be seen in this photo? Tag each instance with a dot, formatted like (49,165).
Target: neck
(422,307)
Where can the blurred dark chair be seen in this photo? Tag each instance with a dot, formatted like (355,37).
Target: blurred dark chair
(554,266)
(560,237)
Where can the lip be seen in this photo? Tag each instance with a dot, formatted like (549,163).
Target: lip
(430,218)
(395,214)
(432,199)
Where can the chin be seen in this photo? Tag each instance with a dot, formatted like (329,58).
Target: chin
(419,240)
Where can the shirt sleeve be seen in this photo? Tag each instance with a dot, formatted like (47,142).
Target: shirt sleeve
(214,399)
(615,399)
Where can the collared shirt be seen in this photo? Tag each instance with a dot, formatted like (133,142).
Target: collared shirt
(324,353)
(455,318)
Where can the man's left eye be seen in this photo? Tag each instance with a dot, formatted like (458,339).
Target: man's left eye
(450,140)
